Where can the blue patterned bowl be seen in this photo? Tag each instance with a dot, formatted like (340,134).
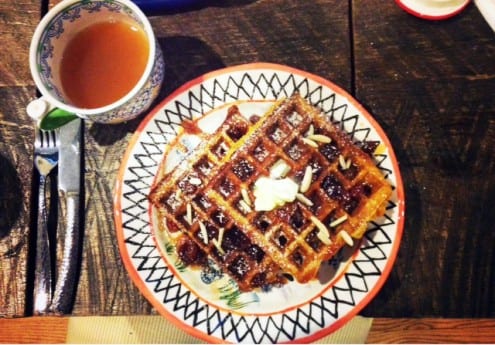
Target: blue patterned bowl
(59,26)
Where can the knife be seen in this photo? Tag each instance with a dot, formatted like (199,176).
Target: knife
(69,183)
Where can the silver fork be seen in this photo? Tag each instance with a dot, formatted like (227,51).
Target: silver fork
(45,159)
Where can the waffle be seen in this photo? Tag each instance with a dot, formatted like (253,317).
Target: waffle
(338,191)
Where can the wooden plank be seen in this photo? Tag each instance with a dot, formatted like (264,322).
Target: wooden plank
(50,330)
(34,330)
(427,84)
(16,136)
(431,331)
(18,21)
(310,35)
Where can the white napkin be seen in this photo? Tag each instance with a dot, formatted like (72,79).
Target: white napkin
(487,9)
(158,330)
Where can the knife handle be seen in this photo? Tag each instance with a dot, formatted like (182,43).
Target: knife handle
(65,289)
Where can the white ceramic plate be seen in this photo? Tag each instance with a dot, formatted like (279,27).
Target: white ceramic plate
(208,304)
(433,9)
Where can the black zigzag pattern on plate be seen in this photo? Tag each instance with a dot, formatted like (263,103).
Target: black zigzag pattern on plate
(321,312)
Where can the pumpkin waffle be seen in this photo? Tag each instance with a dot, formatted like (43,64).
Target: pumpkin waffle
(215,199)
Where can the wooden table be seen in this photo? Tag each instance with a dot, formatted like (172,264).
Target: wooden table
(430,85)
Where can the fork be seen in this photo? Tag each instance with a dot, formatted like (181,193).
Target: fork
(45,159)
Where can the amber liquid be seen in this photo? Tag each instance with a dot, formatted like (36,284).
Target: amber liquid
(102,63)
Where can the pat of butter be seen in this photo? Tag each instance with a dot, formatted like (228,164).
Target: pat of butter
(270,193)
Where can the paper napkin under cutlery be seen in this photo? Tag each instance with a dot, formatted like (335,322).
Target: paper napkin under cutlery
(156,329)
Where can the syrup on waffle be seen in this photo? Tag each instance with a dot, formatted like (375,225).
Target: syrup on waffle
(209,200)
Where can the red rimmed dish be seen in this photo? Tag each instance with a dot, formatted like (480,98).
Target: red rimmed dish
(433,9)
(211,307)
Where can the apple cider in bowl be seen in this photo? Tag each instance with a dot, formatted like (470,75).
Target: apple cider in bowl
(108,70)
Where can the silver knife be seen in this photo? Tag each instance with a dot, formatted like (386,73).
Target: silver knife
(69,183)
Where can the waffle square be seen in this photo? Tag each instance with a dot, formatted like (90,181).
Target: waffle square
(212,200)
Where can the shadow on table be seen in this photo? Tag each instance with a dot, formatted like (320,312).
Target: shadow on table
(11,196)
(185,58)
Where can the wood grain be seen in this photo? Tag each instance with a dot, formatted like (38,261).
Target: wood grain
(17,22)
(425,83)
(15,190)
(431,331)
(34,330)
(50,330)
